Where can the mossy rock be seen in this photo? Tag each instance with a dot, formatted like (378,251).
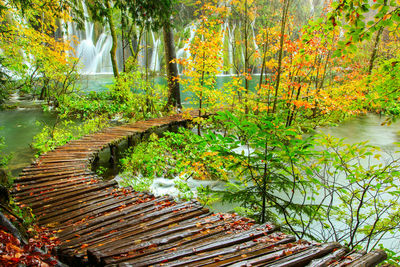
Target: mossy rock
(3,177)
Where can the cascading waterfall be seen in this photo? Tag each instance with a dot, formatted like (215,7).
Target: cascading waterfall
(184,52)
(155,58)
(257,69)
(93,47)
(94,56)
(231,32)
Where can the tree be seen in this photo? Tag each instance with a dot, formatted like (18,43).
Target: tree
(174,97)
(148,14)
(30,52)
(358,191)
(104,9)
(356,19)
(285,11)
(205,62)
(265,157)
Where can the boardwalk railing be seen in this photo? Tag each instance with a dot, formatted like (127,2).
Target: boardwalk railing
(101,224)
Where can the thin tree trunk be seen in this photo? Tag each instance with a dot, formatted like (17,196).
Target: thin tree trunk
(285,10)
(264,183)
(146,63)
(375,50)
(246,57)
(123,28)
(376,44)
(174,95)
(113,51)
(135,47)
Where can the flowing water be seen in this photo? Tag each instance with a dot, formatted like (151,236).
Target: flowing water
(367,128)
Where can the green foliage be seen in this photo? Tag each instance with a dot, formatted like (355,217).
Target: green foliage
(357,23)
(184,188)
(101,170)
(4,158)
(86,106)
(145,159)
(151,14)
(138,97)
(360,191)
(131,97)
(5,85)
(138,183)
(64,131)
(268,161)
(384,85)
(176,154)
(184,155)
(392,257)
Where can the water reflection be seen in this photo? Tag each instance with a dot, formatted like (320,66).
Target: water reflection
(18,127)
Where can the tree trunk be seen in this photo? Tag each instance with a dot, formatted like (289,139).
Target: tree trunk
(123,28)
(375,49)
(285,10)
(4,222)
(174,96)
(113,51)
(246,50)
(246,58)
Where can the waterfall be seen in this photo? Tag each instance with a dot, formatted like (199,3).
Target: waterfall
(94,56)
(184,52)
(155,58)
(93,46)
(257,68)
(312,9)
(231,32)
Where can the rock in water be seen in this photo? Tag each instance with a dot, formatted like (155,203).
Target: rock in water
(3,177)
(4,195)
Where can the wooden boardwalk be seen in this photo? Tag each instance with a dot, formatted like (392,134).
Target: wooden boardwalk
(101,224)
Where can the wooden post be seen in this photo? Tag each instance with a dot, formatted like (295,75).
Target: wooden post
(113,154)
(130,141)
(96,159)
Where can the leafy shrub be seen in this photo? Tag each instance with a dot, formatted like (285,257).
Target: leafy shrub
(130,96)
(62,132)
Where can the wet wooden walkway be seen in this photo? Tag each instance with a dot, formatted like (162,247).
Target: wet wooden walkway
(101,224)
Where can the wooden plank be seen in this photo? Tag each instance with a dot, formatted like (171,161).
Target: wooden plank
(228,240)
(303,258)
(349,258)
(328,259)
(51,200)
(370,259)
(87,208)
(75,199)
(113,217)
(238,253)
(134,221)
